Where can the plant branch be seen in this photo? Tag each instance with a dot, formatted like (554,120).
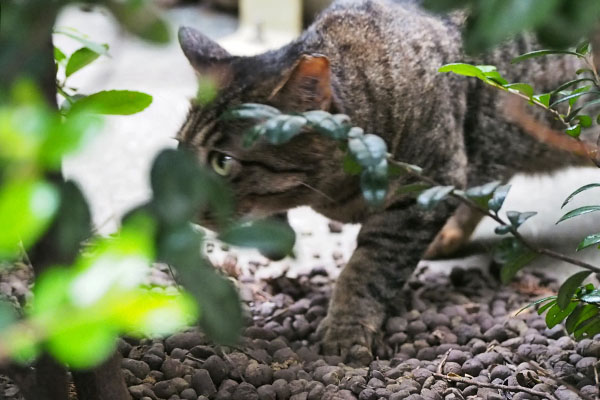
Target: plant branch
(509,388)
(495,217)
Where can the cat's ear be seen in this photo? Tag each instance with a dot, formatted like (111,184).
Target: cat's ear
(210,60)
(307,86)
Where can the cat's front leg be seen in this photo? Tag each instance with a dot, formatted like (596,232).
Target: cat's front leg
(389,247)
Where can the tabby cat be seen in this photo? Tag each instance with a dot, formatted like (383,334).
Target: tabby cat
(377,62)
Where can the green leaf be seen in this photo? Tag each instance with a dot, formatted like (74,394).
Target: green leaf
(582,313)
(283,128)
(101,49)
(578,211)
(592,297)
(556,315)
(250,111)
(497,200)
(535,303)
(141,19)
(543,99)
(572,98)
(588,328)
(588,241)
(8,314)
(539,53)
(26,210)
(482,194)
(374,183)
(335,127)
(513,256)
(79,59)
(350,165)
(502,229)
(59,56)
(432,196)
(368,150)
(413,188)
(568,288)
(270,237)
(573,131)
(518,218)
(113,102)
(524,88)
(583,48)
(546,306)
(570,83)
(584,120)
(584,70)
(576,192)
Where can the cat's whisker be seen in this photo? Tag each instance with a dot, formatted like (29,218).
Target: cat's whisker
(317,191)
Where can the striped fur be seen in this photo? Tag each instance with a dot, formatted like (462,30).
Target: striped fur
(383,61)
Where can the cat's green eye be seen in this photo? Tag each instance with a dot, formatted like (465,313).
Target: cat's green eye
(221,163)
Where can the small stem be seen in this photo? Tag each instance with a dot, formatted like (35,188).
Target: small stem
(508,388)
(495,217)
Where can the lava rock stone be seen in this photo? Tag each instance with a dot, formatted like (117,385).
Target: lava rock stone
(138,368)
(165,389)
(217,368)
(202,383)
(245,391)
(258,374)
(184,340)
(172,368)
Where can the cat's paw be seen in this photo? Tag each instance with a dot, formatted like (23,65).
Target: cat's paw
(447,242)
(351,340)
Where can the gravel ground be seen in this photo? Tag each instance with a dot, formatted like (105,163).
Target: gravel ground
(458,339)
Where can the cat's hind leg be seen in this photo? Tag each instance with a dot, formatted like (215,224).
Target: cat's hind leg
(455,233)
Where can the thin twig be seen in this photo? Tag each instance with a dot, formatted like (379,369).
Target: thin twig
(545,372)
(495,217)
(441,365)
(509,388)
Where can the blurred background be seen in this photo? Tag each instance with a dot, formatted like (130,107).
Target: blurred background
(113,170)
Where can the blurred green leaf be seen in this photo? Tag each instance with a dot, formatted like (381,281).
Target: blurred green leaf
(26,210)
(98,48)
(588,328)
(207,91)
(588,241)
(575,94)
(518,218)
(584,120)
(59,56)
(351,166)
(413,188)
(513,256)
(523,88)
(368,150)
(592,297)
(374,183)
(583,48)
(497,200)
(333,126)
(568,288)
(543,99)
(576,192)
(253,134)
(546,306)
(578,211)
(142,19)
(251,111)
(113,102)
(269,236)
(463,69)
(482,194)
(283,128)
(539,53)
(556,315)
(79,59)
(570,83)
(535,303)
(502,229)
(432,196)
(8,314)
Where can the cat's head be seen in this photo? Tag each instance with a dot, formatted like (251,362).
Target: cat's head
(266,179)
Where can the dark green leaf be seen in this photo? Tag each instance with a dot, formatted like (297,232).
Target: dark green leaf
(374,183)
(251,111)
(577,93)
(568,288)
(497,200)
(584,120)
(583,48)
(368,150)
(113,102)
(592,297)
(539,53)
(270,237)
(582,313)
(546,306)
(588,328)
(524,88)
(518,218)
(556,315)
(351,167)
(584,70)
(80,59)
(588,241)
(576,192)
(432,196)
(512,255)
(141,19)
(101,49)
(578,211)
(502,229)
(570,83)
(535,303)
(413,187)
(492,75)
